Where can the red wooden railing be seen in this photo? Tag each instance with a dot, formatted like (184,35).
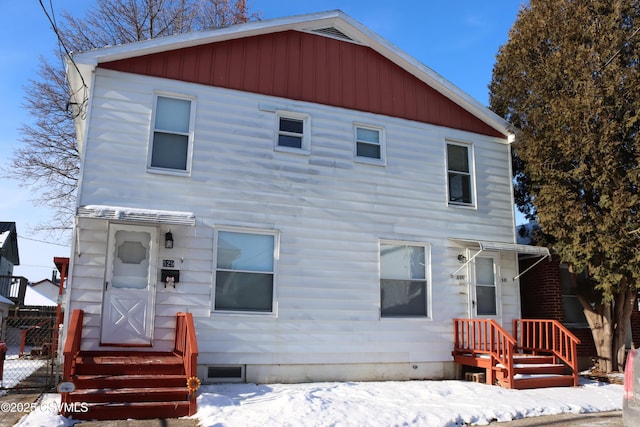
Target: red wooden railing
(485,336)
(548,336)
(187,346)
(72,344)
(71,348)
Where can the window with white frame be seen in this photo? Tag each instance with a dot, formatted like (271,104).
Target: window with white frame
(293,132)
(460,174)
(369,144)
(403,280)
(245,270)
(572,311)
(172,137)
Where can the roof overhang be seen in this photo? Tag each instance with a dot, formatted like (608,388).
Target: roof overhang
(135,215)
(483,245)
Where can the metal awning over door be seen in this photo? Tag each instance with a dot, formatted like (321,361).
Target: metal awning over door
(483,245)
(136,215)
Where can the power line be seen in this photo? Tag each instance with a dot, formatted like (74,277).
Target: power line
(44,241)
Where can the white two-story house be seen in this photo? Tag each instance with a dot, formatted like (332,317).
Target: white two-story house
(320,202)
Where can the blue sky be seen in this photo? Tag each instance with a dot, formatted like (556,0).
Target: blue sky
(457,39)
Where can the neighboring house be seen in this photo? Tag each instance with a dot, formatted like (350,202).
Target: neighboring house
(43,293)
(547,291)
(8,248)
(320,202)
(47,288)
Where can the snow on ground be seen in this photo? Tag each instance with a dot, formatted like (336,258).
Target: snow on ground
(421,403)
(16,370)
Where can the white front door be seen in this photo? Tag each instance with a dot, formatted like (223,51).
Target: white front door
(129,288)
(484,292)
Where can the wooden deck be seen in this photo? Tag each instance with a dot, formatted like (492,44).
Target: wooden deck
(540,353)
(123,384)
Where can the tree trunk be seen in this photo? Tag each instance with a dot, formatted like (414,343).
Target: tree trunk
(599,319)
(625,302)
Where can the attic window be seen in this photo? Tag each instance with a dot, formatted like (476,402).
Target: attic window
(333,32)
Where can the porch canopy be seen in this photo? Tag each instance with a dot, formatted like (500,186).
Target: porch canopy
(148,216)
(482,245)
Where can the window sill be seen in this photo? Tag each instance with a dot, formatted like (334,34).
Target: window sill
(406,318)
(291,150)
(172,172)
(461,205)
(370,161)
(247,314)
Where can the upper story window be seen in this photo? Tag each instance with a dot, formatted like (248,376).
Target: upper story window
(293,133)
(245,270)
(369,144)
(172,138)
(403,280)
(460,174)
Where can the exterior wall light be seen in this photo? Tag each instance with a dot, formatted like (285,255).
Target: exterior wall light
(168,240)
(462,259)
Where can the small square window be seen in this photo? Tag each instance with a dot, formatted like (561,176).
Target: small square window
(293,133)
(459,174)
(369,144)
(290,133)
(172,136)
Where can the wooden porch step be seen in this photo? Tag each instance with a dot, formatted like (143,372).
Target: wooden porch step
(536,368)
(532,359)
(121,385)
(128,381)
(523,382)
(140,410)
(138,394)
(113,363)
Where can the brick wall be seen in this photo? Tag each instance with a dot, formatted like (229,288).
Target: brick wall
(540,294)
(541,298)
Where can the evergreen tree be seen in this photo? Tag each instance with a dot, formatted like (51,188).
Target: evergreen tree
(48,161)
(568,79)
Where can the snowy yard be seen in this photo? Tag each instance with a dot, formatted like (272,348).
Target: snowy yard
(420,403)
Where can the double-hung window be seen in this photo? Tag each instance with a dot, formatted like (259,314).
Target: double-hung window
(572,311)
(172,136)
(369,144)
(403,280)
(460,174)
(245,270)
(293,133)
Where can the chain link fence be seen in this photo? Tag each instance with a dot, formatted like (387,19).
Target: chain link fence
(30,353)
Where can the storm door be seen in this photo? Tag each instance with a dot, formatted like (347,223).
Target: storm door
(129,288)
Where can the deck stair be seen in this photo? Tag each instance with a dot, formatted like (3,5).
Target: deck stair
(124,384)
(133,385)
(542,353)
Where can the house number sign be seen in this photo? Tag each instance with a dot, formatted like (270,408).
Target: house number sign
(168,263)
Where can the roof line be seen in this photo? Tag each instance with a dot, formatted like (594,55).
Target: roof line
(308,22)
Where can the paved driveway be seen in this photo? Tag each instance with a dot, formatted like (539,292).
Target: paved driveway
(599,419)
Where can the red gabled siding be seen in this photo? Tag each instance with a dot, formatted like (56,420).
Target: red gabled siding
(310,68)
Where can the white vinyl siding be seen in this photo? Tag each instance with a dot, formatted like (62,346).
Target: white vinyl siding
(330,212)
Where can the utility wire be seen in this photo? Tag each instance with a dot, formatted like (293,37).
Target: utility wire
(54,26)
(44,241)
